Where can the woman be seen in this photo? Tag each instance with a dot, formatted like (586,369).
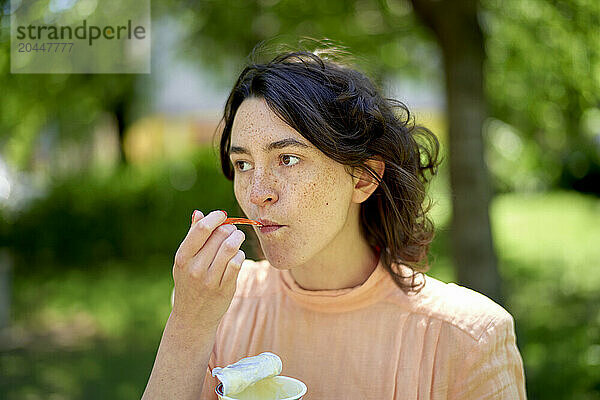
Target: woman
(315,150)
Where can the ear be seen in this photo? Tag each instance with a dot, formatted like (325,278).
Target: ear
(365,184)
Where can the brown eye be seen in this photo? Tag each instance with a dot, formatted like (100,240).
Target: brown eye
(286,157)
(238,165)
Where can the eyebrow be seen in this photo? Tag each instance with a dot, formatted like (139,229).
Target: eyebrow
(280,144)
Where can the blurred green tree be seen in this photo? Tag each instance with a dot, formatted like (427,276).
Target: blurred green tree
(457,30)
(64,106)
(543,78)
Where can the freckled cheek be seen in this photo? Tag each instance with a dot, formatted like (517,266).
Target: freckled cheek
(315,199)
(333,198)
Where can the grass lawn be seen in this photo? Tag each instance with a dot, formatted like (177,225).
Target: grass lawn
(93,332)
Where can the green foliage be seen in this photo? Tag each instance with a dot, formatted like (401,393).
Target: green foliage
(543,78)
(385,31)
(131,213)
(549,262)
(88,333)
(60,106)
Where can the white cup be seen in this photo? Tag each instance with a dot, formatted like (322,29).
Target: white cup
(291,385)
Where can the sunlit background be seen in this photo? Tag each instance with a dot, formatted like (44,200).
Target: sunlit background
(99,175)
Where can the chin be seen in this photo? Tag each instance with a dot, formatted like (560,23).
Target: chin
(277,261)
(280,259)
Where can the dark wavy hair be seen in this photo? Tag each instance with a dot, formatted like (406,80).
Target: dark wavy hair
(341,112)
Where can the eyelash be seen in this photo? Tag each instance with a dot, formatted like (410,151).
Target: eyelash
(236,163)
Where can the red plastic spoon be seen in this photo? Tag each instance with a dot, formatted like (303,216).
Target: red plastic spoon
(244,221)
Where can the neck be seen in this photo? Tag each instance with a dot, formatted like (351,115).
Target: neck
(347,262)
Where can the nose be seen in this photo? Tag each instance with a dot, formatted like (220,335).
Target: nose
(262,189)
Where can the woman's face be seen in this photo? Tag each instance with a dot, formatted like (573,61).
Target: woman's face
(292,184)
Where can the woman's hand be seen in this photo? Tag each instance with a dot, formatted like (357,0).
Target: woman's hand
(205,270)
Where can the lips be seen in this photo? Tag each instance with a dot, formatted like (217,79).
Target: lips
(267,222)
(270,228)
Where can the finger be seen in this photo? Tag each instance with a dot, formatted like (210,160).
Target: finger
(198,235)
(196,215)
(205,256)
(226,251)
(233,269)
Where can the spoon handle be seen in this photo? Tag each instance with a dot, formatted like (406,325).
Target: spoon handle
(244,221)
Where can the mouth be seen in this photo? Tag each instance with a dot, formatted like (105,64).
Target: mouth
(269,226)
(269,229)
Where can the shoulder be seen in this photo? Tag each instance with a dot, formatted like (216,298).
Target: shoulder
(475,342)
(466,310)
(256,278)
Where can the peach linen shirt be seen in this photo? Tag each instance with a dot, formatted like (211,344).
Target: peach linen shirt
(372,341)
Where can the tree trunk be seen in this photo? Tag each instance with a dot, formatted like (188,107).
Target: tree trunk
(120,111)
(6,267)
(459,34)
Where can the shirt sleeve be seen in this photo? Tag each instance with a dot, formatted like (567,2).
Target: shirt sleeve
(493,366)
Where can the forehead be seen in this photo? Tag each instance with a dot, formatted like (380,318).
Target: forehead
(255,124)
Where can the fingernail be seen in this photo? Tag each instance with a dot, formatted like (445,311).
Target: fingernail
(196,215)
